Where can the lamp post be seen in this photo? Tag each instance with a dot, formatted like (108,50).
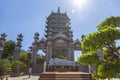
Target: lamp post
(1,50)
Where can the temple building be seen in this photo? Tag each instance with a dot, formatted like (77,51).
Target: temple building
(58,42)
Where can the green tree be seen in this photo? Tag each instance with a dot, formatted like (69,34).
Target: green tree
(18,67)
(5,67)
(24,57)
(8,50)
(40,59)
(105,39)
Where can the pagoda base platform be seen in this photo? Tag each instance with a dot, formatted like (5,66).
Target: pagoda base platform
(65,76)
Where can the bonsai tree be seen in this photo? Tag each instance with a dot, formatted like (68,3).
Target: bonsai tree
(105,39)
(5,67)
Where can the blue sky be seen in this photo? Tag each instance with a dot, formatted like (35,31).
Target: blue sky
(29,16)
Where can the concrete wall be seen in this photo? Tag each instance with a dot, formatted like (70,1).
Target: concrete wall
(37,68)
(83,68)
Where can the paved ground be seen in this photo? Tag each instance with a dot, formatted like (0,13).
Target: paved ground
(25,77)
(35,77)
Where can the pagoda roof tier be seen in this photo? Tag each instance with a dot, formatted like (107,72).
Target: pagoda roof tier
(58,22)
(58,14)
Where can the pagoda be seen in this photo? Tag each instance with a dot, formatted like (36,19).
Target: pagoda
(59,37)
(58,42)
(59,49)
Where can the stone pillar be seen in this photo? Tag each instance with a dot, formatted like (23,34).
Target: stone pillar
(18,47)
(1,50)
(34,48)
(48,52)
(90,70)
(49,47)
(44,67)
(71,52)
(71,46)
(34,53)
(2,40)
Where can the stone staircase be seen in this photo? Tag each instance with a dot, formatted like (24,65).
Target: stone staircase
(65,76)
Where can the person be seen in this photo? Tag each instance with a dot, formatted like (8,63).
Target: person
(30,72)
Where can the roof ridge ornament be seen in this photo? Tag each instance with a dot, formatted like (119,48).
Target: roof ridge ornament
(58,11)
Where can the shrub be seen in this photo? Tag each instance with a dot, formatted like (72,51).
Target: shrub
(40,59)
(18,66)
(5,67)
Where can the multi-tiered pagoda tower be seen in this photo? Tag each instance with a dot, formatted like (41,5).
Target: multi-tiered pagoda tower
(59,43)
(59,38)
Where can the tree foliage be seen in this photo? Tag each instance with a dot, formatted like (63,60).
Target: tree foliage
(113,21)
(40,59)
(99,39)
(18,66)
(105,39)
(5,67)
(89,58)
(109,69)
(25,58)
(8,50)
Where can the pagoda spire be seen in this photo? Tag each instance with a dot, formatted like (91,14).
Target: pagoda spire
(58,11)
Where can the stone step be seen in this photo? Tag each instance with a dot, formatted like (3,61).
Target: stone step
(65,79)
(65,76)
